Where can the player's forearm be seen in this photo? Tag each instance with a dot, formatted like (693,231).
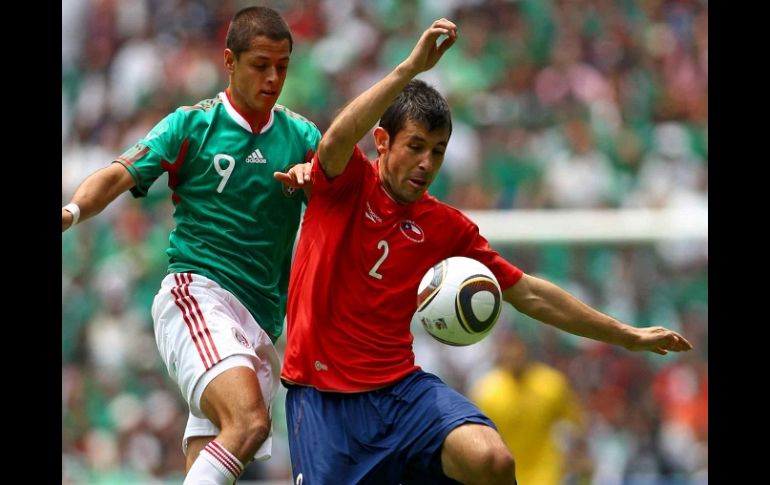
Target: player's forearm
(550,304)
(358,117)
(98,190)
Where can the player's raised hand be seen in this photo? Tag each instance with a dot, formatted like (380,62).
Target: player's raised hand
(426,52)
(659,340)
(296,177)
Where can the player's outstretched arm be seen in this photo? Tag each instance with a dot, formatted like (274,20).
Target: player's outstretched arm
(96,192)
(550,304)
(360,115)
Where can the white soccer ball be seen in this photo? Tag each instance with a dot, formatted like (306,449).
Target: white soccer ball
(458,301)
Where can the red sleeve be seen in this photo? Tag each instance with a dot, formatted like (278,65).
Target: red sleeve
(473,245)
(349,179)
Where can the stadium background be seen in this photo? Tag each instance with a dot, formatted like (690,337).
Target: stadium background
(576,104)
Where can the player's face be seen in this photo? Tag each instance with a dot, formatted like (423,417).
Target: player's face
(511,352)
(258,74)
(410,161)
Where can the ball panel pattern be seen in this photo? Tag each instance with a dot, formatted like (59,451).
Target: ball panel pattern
(464,308)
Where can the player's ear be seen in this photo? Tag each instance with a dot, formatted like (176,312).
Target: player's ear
(381,140)
(229,61)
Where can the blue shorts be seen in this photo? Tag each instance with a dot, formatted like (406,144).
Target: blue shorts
(388,436)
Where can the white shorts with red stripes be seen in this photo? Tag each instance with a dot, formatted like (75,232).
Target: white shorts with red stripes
(203,330)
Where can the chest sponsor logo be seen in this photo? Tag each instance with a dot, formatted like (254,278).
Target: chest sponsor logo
(370,214)
(412,231)
(256,157)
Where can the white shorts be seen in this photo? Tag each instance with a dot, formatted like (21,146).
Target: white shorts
(202,330)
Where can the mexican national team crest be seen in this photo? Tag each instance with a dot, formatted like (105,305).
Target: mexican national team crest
(412,231)
(288,191)
(240,337)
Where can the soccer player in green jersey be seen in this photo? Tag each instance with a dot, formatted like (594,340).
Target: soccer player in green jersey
(222,303)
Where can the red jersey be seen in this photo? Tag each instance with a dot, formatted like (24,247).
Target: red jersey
(353,285)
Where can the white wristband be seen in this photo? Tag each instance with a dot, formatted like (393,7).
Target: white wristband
(73,209)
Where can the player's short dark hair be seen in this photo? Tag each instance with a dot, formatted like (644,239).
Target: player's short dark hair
(420,103)
(252,22)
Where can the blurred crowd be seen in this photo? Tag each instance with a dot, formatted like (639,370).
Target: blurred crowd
(556,103)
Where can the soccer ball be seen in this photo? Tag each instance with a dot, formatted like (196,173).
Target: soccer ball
(458,301)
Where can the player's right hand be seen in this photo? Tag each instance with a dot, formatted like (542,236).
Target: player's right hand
(659,340)
(296,176)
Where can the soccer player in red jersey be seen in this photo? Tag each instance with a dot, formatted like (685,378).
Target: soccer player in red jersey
(358,409)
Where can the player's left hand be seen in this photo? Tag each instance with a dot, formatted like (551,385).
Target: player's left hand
(659,340)
(296,177)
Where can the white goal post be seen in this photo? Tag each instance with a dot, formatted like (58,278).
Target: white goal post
(591,226)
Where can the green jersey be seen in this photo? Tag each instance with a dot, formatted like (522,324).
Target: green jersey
(235,224)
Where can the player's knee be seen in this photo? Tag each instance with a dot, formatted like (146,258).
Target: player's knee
(497,467)
(258,431)
(255,428)
(503,468)
(250,428)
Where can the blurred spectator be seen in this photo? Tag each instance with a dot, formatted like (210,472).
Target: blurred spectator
(681,391)
(579,176)
(534,408)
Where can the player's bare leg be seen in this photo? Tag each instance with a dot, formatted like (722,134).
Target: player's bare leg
(476,454)
(233,402)
(194,447)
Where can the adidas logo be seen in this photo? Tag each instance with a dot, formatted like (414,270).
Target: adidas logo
(256,157)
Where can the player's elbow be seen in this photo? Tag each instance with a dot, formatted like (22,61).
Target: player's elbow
(528,296)
(531,305)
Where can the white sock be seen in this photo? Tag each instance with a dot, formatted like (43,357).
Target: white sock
(214,466)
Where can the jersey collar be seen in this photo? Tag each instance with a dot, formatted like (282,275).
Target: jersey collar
(238,118)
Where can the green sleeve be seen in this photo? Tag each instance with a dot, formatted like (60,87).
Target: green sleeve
(154,153)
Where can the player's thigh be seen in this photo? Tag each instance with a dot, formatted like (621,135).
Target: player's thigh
(318,440)
(429,410)
(340,438)
(199,327)
(234,396)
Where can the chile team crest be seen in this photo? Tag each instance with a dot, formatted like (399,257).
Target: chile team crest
(412,231)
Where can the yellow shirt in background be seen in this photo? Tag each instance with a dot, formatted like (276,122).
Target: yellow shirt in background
(525,410)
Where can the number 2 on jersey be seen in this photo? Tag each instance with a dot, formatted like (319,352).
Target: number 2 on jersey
(383,244)
(223,172)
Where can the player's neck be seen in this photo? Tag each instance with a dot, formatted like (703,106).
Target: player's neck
(387,189)
(256,120)
(384,183)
